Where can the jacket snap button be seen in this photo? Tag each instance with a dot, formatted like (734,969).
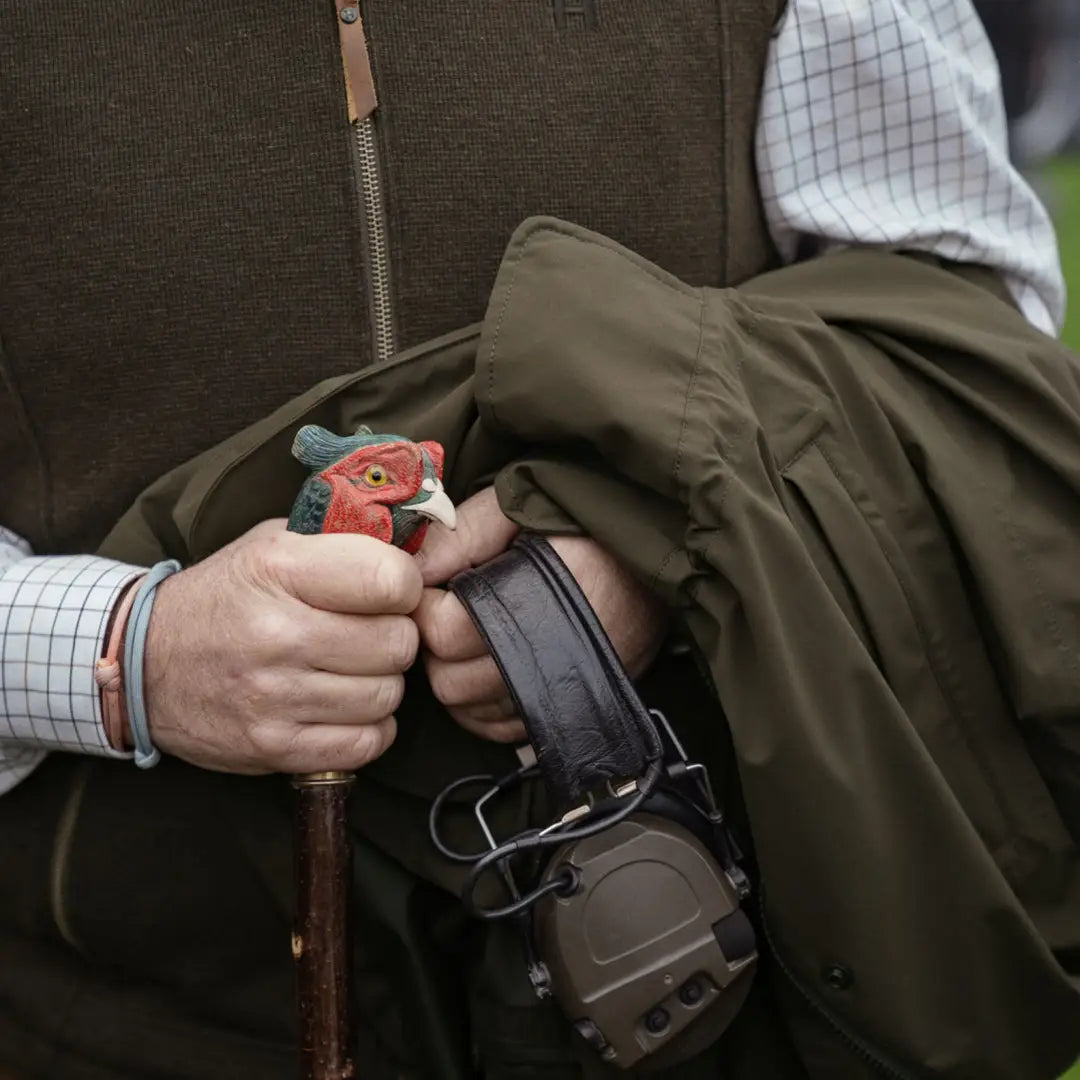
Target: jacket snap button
(350,14)
(838,977)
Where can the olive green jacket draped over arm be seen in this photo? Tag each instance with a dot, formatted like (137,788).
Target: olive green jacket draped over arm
(858,481)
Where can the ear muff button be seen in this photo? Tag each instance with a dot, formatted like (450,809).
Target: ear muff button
(657,1021)
(690,993)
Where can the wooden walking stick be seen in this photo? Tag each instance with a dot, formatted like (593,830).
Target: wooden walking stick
(390,488)
(321,942)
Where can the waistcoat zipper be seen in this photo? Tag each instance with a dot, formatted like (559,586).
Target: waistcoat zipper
(376,241)
(362,102)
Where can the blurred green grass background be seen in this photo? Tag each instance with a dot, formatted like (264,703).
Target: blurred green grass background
(1064,195)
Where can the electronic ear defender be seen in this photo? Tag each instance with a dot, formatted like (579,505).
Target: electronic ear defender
(630,901)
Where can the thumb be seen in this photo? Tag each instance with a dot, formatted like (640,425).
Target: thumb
(483,531)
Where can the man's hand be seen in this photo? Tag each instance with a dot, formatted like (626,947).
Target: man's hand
(462,674)
(282,653)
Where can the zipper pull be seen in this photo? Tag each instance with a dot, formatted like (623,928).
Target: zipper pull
(359,81)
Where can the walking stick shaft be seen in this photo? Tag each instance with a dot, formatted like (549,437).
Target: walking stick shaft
(389,488)
(322,944)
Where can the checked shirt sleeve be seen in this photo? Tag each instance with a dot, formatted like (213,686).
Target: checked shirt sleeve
(882,123)
(53,614)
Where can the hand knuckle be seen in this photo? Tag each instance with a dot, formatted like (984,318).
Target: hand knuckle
(271,555)
(275,563)
(271,527)
(387,694)
(387,581)
(257,687)
(271,626)
(398,585)
(467,720)
(508,733)
(445,684)
(435,635)
(266,742)
(371,742)
(400,643)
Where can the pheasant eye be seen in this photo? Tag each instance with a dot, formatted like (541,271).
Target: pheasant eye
(376,475)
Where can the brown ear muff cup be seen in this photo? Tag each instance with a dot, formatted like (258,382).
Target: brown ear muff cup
(650,955)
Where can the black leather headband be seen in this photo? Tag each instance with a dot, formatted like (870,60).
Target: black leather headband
(583,715)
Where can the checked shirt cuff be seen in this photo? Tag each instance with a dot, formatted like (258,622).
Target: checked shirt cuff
(53,614)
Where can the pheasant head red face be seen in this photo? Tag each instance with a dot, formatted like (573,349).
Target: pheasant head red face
(384,486)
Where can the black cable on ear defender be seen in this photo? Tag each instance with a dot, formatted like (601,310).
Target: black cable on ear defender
(541,839)
(485,780)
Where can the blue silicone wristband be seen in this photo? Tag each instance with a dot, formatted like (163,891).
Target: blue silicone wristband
(146,754)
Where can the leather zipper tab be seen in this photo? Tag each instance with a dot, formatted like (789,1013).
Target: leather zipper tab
(359,81)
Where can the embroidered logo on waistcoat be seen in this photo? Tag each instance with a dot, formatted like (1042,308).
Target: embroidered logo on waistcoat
(579,14)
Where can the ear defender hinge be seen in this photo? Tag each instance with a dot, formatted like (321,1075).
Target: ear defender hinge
(540,979)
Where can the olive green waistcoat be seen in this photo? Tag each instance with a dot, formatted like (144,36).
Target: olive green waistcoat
(182,246)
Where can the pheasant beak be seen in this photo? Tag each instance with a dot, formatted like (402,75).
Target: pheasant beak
(434,504)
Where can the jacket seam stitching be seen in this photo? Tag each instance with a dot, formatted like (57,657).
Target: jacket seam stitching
(1052,625)
(797,456)
(937,666)
(665,562)
(746,319)
(694,372)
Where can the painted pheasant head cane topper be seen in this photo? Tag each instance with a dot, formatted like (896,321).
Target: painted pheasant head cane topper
(384,486)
